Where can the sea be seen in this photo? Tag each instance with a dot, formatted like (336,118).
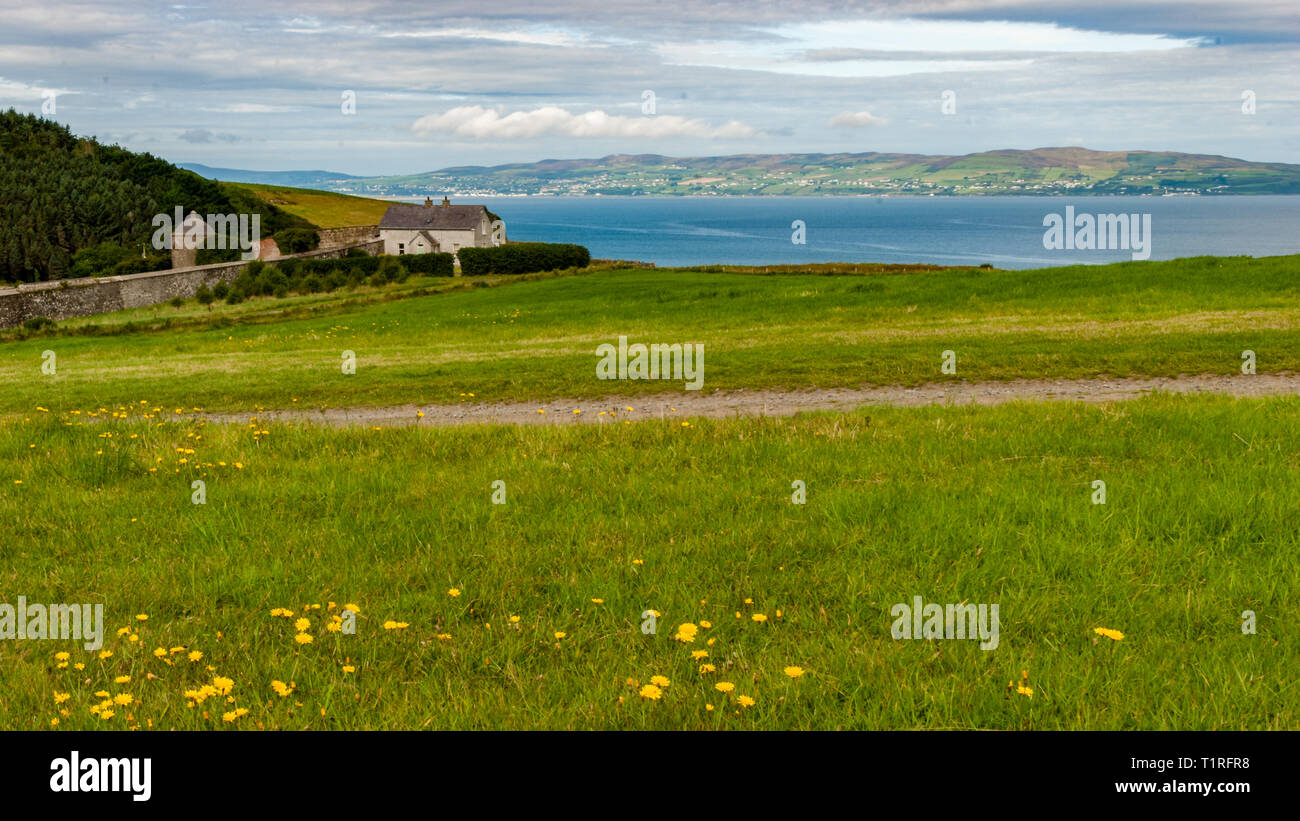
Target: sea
(1005,232)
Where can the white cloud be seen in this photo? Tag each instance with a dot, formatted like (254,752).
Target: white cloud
(857,119)
(478,122)
(16,90)
(956,45)
(534,37)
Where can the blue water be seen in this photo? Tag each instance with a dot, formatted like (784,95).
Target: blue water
(1006,232)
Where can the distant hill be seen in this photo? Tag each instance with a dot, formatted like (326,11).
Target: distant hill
(70,206)
(308,179)
(1041,171)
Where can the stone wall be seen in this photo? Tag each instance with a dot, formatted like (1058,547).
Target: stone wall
(335,237)
(65,298)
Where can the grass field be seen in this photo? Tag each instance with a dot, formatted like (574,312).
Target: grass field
(537,339)
(695,521)
(324,209)
(530,613)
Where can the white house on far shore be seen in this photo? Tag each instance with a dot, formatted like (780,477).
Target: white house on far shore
(423,229)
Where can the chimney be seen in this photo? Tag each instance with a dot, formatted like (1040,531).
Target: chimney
(445,202)
(427,202)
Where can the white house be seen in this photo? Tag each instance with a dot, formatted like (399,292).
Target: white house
(423,229)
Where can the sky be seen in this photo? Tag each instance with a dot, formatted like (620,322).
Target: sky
(373,88)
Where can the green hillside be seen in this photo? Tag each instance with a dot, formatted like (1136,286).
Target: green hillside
(325,209)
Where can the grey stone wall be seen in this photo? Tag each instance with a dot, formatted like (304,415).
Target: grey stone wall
(335,237)
(65,298)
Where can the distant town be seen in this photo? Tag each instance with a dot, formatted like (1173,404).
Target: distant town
(1043,171)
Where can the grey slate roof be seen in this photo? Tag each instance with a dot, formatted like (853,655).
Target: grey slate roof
(436,217)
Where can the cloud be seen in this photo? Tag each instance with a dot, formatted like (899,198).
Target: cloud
(898,47)
(202,135)
(246,108)
(857,119)
(478,122)
(17,90)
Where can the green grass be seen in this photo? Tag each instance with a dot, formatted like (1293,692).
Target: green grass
(986,505)
(537,339)
(325,209)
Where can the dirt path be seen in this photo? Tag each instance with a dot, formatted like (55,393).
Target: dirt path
(775,403)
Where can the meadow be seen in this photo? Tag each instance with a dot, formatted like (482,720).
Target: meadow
(660,574)
(530,613)
(535,340)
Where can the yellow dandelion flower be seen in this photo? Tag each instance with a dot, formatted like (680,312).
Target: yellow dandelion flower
(396,625)
(559,634)
(759,617)
(123,699)
(121,679)
(745,701)
(59,698)
(686,632)
(794,672)
(303,638)
(660,681)
(707,668)
(281,688)
(1113,635)
(650,691)
(699,654)
(195,655)
(724,686)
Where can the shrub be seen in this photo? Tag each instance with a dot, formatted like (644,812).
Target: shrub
(296,240)
(312,283)
(37,322)
(390,270)
(138,265)
(434,265)
(204,296)
(220,290)
(176,302)
(522,258)
(98,260)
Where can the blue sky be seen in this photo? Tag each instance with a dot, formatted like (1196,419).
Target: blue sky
(436,84)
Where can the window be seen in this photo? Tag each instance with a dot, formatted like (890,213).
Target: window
(401,247)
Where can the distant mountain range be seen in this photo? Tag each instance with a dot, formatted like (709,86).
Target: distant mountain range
(299,179)
(1041,171)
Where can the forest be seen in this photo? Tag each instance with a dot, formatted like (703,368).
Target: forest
(72,207)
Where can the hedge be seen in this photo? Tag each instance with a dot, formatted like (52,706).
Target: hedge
(431,265)
(522,258)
